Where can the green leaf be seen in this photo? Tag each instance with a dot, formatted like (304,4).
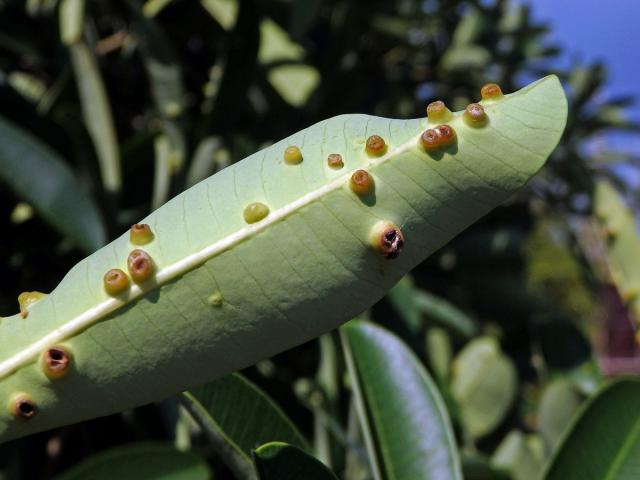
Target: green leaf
(71,18)
(558,405)
(140,461)
(224,293)
(39,176)
(162,172)
(244,414)
(413,304)
(484,385)
(408,419)
(225,12)
(152,7)
(203,163)
(604,442)
(518,456)
(467,57)
(279,461)
(622,242)
(162,66)
(438,352)
(293,81)
(440,311)
(469,27)
(97,115)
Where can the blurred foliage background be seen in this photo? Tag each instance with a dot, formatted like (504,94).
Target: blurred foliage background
(128,103)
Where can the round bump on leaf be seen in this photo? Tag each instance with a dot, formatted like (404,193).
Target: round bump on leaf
(292,155)
(56,361)
(115,281)
(430,140)
(387,239)
(215,299)
(22,406)
(375,145)
(254,212)
(140,265)
(474,115)
(334,160)
(446,134)
(361,183)
(437,112)
(491,91)
(140,234)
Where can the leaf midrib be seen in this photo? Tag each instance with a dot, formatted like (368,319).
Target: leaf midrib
(168,273)
(181,267)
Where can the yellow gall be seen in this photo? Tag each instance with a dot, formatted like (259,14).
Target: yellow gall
(430,140)
(22,406)
(446,134)
(474,115)
(361,183)
(254,212)
(375,145)
(334,160)
(491,91)
(140,234)
(56,362)
(437,112)
(292,155)
(27,299)
(115,281)
(140,265)
(215,299)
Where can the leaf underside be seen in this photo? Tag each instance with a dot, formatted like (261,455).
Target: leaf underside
(301,271)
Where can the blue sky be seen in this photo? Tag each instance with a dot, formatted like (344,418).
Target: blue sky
(606,30)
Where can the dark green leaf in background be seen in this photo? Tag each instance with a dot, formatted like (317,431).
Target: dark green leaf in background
(279,461)
(604,442)
(245,415)
(40,177)
(140,461)
(409,422)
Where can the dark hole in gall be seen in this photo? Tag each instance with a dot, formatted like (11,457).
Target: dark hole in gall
(56,355)
(26,408)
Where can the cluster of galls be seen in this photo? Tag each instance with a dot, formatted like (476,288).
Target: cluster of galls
(388,241)
(139,263)
(55,363)
(444,135)
(438,137)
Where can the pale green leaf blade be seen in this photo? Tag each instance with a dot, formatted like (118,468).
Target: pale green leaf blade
(225,12)
(225,293)
(558,404)
(140,461)
(409,421)
(516,456)
(203,162)
(97,115)
(39,176)
(484,385)
(604,442)
(71,19)
(621,240)
(279,461)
